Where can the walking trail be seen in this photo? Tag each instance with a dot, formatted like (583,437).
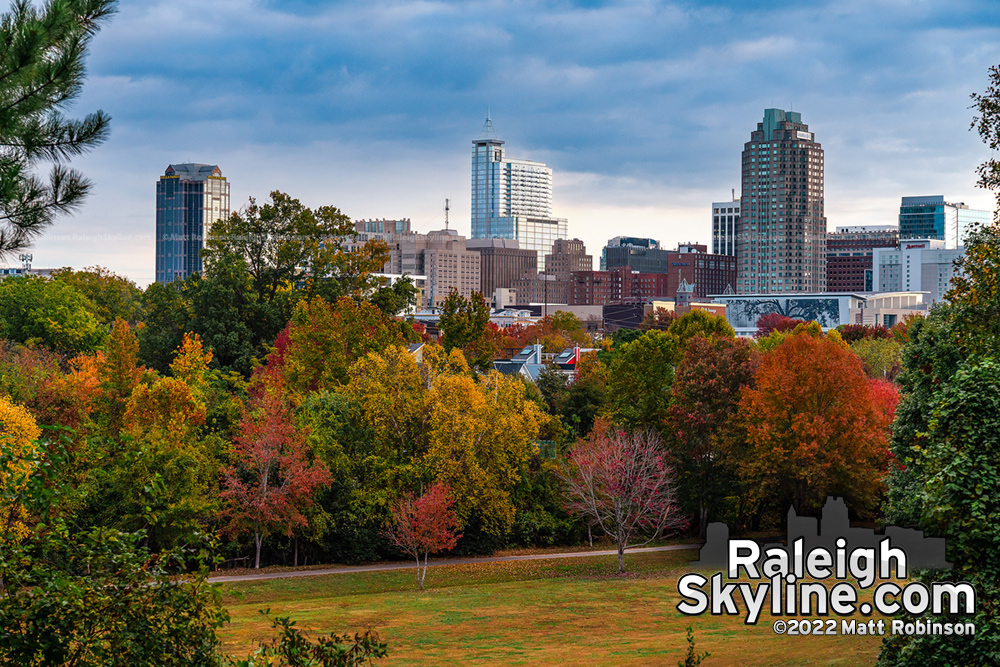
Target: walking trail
(437,563)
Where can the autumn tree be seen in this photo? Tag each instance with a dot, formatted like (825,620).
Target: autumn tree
(425,525)
(119,373)
(621,481)
(770,322)
(702,428)
(272,478)
(324,339)
(41,74)
(813,427)
(19,456)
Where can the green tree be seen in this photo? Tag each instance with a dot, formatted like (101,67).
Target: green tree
(640,378)
(464,324)
(112,296)
(699,323)
(41,73)
(48,312)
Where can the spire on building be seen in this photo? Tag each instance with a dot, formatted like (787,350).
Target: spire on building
(488,131)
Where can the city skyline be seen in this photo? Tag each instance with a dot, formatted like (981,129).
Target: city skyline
(639,108)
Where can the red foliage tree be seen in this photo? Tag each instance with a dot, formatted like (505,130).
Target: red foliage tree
(702,419)
(272,479)
(621,481)
(424,525)
(815,426)
(775,322)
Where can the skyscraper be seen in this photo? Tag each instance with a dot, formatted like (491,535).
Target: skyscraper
(781,232)
(934,218)
(512,199)
(189,198)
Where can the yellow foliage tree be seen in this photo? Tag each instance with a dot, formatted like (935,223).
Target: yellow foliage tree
(474,433)
(19,455)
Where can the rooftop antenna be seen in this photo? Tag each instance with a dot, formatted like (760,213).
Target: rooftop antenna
(734,194)
(447,207)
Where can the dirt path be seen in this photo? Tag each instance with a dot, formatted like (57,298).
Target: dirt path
(438,562)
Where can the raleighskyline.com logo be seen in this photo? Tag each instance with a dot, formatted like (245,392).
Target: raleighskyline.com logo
(791,579)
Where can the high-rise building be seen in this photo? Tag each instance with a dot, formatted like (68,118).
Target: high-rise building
(781,232)
(849,256)
(512,199)
(725,218)
(567,256)
(934,218)
(189,199)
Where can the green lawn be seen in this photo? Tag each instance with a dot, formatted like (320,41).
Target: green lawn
(565,612)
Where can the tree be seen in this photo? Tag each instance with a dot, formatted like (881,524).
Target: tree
(640,377)
(19,456)
(272,477)
(119,373)
(699,323)
(771,322)
(702,424)
(622,481)
(813,426)
(47,312)
(464,324)
(424,525)
(324,339)
(41,73)
(881,356)
(112,296)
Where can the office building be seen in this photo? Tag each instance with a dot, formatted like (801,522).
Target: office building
(781,232)
(934,218)
(442,260)
(541,288)
(725,217)
(567,256)
(512,199)
(189,198)
(917,265)
(849,256)
(708,273)
(502,262)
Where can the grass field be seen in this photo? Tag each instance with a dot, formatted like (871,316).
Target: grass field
(566,613)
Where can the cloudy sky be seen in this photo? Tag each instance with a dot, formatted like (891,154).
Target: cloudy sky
(640,107)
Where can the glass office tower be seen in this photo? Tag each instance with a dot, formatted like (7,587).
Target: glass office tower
(189,198)
(512,199)
(934,218)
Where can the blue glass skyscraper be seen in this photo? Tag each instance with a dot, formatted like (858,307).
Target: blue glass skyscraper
(189,198)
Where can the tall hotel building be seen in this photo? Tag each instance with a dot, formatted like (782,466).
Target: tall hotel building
(781,231)
(512,199)
(189,198)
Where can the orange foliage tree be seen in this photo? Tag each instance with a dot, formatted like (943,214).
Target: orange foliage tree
(816,425)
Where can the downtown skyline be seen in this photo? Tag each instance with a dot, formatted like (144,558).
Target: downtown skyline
(641,109)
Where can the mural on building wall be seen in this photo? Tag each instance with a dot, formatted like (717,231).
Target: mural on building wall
(744,313)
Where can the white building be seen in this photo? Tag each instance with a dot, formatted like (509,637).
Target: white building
(921,265)
(725,217)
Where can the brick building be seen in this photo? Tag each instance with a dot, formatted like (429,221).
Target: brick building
(849,256)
